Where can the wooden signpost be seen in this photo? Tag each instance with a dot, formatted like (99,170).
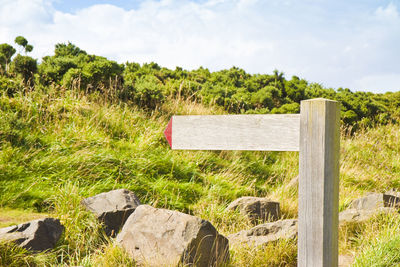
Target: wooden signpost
(314,133)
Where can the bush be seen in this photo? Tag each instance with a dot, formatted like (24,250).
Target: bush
(264,97)
(24,66)
(10,85)
(102,72)
(349,117)
(287,108)
(53,69)
(75,79)
(148,91)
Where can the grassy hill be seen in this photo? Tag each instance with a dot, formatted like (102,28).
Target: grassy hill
(77,124)
(59,146)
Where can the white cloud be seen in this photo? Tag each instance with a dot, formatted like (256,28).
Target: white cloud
(389,12)
(380,83)
(348,47)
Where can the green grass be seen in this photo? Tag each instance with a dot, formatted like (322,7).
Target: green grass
(48,142)
(380,244)
(16,216)
(57,147)
(13,256)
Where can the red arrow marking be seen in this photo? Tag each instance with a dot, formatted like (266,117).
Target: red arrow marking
(168,133)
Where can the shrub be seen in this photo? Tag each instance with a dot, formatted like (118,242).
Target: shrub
(24,66)
(148,91)
(101,72)
(287,108)
(53,69)
(10,85)
(75,79)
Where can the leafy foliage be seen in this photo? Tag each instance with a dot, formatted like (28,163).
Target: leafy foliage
(20,40)
(149,85)
(63,50)
(10,85)
(6,52)
(24,66)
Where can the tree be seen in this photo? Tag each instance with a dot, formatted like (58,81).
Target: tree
(28,48)
(62,50)
(25,66)
(279,79)
(20,40)
(6,52)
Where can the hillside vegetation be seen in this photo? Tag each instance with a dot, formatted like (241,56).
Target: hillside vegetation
(150,85)
(78,124)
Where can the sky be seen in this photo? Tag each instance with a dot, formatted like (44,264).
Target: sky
(337,43)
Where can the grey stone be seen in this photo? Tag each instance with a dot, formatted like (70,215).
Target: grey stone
(374,201)
(112,208)
(37,235)
(257,208)
(361,215)
(161,237)
(265,233)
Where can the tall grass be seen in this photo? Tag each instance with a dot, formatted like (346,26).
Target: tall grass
(380,243)
(59,146)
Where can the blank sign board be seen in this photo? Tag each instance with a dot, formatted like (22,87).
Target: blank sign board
(271,132)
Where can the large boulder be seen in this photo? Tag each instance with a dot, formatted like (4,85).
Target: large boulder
(161,237)
(265,233)
(37,235)
(257,208)
(112,208)
(374,201)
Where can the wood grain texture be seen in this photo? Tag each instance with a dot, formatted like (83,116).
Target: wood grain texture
(319,183)
(272,132)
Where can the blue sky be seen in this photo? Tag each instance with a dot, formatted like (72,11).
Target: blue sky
(353,44)
(72,6)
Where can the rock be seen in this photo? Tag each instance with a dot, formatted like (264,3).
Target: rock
(265,233)
(161,237)
(112,208)
(364,208)
(375,200)
(354,215)
(257,208)
(37,235)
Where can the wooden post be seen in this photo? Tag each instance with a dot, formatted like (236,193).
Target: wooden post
(319,143)
(319,183)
